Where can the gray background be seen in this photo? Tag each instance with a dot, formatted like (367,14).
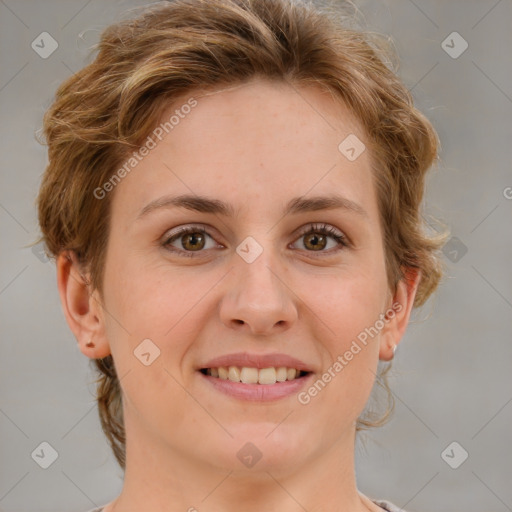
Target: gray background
(452,374)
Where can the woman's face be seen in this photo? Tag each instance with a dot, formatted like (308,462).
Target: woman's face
(261,281)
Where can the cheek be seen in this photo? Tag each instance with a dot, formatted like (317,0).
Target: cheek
(157,302)
(346,305)
(142,295)
(349,308)
(149,326)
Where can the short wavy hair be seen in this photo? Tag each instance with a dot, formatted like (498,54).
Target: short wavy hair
(104,111)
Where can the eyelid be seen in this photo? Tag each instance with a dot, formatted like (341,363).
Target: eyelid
(328,230)
(313,227)
(180,231)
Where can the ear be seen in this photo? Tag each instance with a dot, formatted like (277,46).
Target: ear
(81,306)
(398,313)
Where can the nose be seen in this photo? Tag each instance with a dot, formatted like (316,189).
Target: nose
(258,299)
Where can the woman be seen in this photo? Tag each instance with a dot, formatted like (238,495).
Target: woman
(233,199)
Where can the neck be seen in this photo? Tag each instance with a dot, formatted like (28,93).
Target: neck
(158,478)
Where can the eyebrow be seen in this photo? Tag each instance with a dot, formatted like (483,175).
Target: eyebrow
(296,205)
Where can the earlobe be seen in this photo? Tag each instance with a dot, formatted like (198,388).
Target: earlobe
(398,314)
(81,307)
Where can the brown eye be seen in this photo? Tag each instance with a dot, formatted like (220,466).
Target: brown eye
(189,240)
(315,242)
(193,241)
(322,238)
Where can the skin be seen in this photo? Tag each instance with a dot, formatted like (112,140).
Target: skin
(255,146)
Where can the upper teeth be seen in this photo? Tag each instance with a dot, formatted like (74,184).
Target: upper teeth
(254,375)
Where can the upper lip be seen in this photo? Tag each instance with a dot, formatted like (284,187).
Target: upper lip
(259,361)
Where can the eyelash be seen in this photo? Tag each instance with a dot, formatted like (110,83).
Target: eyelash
(324,229)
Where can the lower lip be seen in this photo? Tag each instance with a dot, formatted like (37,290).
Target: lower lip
(258,392)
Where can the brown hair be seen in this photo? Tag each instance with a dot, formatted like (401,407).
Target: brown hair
(105,110)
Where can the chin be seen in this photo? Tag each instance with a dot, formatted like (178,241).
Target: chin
(264,447)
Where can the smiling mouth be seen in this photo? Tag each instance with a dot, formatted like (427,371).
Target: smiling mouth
(247,375)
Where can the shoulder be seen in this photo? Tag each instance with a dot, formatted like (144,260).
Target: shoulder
(389,507)
(385,505)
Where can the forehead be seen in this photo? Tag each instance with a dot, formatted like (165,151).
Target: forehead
(261,142)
